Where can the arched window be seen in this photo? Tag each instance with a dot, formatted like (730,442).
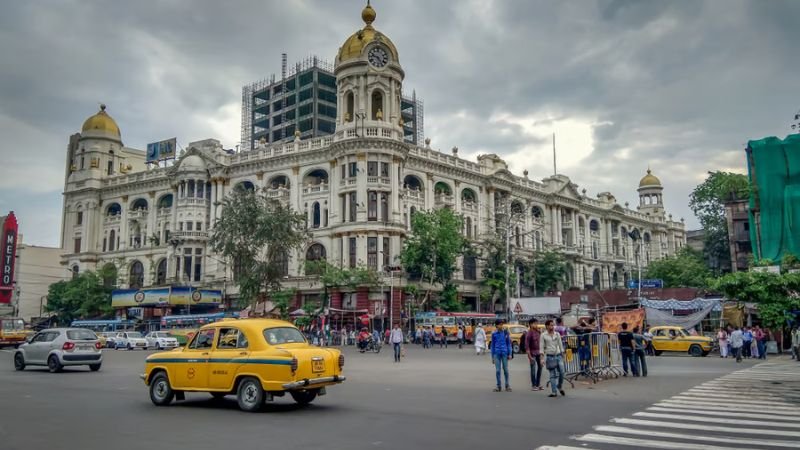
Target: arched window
(594,225)
(350,101)
(75,271)
(109,274)
(468,195)
(112,240)
(516,208)
(536,212)
(442,188)
(113,209)
(245,186)
(280,181)
(316,177)
(165,201)
(136,280)
(139,204)
(470,268)
(413,183)
(316,215)
(161,272)
(596,278)
(281,262)
(378,111)
(316,252)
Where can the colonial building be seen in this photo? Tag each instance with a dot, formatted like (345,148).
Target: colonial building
(359,188)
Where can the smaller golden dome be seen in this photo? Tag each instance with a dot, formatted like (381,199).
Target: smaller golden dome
(101,122)
(355,44)
(649,180)
(368,14)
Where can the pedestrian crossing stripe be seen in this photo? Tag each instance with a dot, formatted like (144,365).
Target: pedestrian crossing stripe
(753,408)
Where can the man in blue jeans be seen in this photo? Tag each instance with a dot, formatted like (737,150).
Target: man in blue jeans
(626,348)
(534,354)
(501,350)
(396,338)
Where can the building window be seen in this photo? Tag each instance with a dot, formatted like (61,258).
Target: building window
(352,251)
(77,245)
(136,279)
(187,264)
(112,240)
(110,168)
(372,253)
(198,226)
(83,162)
(377,105)
(372,168)
(387,253)
(350,107)
(198,264)
(189,226)
(344,171)
(343,215)
(385,169)
(469,227)
(353,169)
(470,268)
(315,215)
(353,207)
(105,242)
(314,254)
(372,207)
(384,207)
(75,271)
(79,218)
(161,272)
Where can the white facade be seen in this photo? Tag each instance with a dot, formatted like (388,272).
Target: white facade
(358,187)
(36,268)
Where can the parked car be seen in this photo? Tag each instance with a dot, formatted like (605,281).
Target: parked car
(60,347)
(677,339)
(130,340)
(160,340)
(253,359)
(108,338)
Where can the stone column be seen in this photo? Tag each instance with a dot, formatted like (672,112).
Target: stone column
(152,215)
(295,189)
(334,202)
(491,210)
(212,207)
(429,193)
(174,220)
(361,188)
(123,224)
(574,218)
(394,198)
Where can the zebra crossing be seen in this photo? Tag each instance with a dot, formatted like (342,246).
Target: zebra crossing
(754,408)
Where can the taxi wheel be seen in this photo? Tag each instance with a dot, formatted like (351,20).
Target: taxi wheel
(695,350)
(250,395)
(161,393)
(304,397)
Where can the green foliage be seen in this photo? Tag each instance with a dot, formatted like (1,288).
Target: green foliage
(775,294)
(281,299)
(547,268)
(83,297)
(684,269)
(491,251)
(259,234)
(448,299)
(707,201)
(430,252)
(790,261)
(333,277)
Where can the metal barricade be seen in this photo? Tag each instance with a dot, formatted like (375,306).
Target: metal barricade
(592,356)
(572,363)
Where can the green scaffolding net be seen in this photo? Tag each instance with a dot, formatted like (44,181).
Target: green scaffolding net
(774,170)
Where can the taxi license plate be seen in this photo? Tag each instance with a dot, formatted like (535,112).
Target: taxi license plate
(317,365)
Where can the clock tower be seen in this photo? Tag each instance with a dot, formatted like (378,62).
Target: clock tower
(369,82)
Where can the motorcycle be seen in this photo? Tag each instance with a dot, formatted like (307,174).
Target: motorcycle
(371,346)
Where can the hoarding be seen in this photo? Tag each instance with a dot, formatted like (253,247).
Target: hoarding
(161,150)
(8,255)
(164,296)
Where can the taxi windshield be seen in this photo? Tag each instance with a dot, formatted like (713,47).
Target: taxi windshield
(283,335)
(135,335)
(13,325)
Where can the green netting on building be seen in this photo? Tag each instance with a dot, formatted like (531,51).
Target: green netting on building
(774,169)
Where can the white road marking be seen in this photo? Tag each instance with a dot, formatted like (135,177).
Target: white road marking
(719,413)
(715,407)
(760,404)
(763,407)
(692,426)
(562,447)
(643,443)
(722,420)
(695,437)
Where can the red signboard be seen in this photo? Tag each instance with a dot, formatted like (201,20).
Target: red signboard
(8,254)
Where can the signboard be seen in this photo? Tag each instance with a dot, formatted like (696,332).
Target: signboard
(528,307)
(161,150)
(8,255)
(174,296)
(646,284)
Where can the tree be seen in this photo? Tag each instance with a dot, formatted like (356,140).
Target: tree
(85,296)
(547,269)
(777,295)
(684,269)
(258,234)
(491,251)
(430,252)
(335,277)
(707,201)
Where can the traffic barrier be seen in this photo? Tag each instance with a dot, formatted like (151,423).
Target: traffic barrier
(592,356)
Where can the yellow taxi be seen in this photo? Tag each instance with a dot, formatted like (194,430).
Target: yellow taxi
(515,331)
(253,359)
(677,339)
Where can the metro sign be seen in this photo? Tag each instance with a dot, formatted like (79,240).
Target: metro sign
(8,254)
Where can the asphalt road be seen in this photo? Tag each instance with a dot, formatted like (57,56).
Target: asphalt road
(434,399)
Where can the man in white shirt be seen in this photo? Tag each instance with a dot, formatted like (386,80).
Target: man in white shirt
(737,342)
(396,338)
(551,346)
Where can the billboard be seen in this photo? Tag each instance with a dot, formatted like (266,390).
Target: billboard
(164,296)
(161,150)
(8,254)
(540,307)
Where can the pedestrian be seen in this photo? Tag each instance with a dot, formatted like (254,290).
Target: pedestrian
(501,350)
(584,345)
(626,348)
(386,334)
(737,342)
(761,337)
(553,348)
(479,340)
(747,337)
(560,328)
(426,338)
(722,338)
(648,338)
(396,338)
(460,336)
(639,346)
(532,341)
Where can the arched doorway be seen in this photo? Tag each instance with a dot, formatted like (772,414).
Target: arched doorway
(136,279)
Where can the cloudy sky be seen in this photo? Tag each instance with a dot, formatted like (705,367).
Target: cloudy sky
(680,86)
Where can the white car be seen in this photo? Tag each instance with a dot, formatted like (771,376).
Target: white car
(160,340)
(130,340)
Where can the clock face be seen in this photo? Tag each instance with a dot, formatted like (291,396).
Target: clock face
(378,57)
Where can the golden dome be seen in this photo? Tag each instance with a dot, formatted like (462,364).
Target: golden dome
(649,180)
(354,45)
(101,122)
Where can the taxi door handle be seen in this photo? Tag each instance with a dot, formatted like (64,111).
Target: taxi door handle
(243,354)
(204,354)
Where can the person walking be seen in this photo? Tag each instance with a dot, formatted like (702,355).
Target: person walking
(639,346)
(722,338)
(460,336)
(396,338)
(532,341)
(479,340)
(737,342)
(501,350)
(747,336)
(626,348)
(560,328)
(553,348)
(796,344)
(761,337)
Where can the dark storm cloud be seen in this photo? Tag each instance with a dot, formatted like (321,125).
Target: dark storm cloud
(680,86)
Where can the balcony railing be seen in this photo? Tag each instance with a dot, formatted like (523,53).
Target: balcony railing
(414,194)
(566,223)
(443,199)
(315,188)
(279,193)
(117,218)
(192,201)
(162,212)
(468,206)
(190,234)
(137,214)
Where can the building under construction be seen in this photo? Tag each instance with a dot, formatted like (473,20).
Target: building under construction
(304,98)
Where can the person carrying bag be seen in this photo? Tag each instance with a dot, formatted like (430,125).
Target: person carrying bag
(553,348)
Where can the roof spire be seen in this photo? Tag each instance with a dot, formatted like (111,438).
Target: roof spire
(368,14)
